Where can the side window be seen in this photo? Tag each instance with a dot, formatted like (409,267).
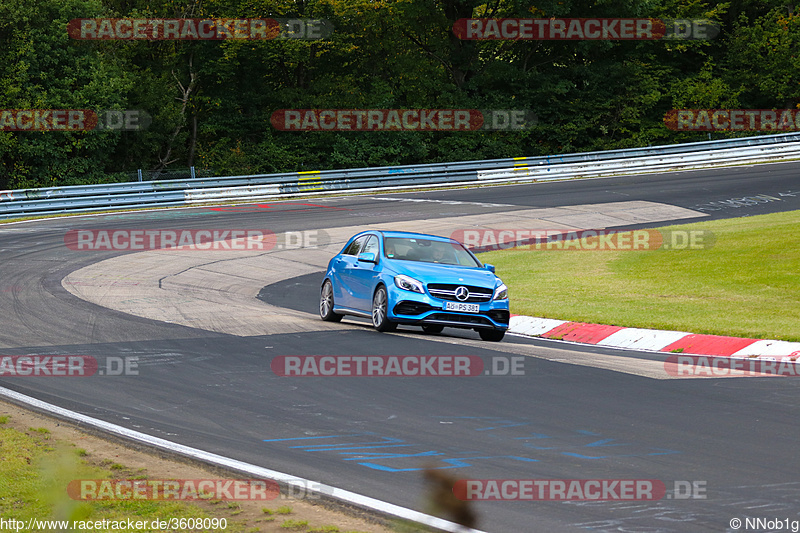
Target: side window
(355,246)
(371,247)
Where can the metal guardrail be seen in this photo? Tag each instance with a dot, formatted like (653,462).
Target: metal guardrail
(693,160)
(87,198)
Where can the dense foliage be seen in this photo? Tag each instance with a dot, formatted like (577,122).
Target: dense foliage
(211,101)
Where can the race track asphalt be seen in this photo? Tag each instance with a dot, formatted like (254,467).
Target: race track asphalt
(216,391)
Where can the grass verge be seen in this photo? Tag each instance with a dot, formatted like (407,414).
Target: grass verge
(39,457)
(36,470)
(747,284)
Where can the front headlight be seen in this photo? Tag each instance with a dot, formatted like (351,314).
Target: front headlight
(501,292)
(409,284)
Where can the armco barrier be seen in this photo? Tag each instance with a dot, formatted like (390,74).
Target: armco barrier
(694,160)
(87,198)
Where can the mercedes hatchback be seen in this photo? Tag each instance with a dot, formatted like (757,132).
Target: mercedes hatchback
(397,277)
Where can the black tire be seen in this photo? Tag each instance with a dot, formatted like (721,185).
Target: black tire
(492,335)
(380,305)
(432,328)
(326,303)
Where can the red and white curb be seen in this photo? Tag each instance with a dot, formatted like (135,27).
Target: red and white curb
(652,340)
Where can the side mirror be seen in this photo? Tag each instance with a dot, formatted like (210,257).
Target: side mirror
(367,257)
(488,267)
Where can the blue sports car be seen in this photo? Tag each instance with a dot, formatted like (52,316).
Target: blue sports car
(410,278)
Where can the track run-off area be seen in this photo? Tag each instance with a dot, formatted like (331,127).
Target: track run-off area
(199,330)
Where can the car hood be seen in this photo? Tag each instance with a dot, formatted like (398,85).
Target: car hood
(435,273)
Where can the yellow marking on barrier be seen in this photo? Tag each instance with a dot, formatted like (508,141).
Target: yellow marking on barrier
(309,182)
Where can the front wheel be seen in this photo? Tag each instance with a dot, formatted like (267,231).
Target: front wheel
(380,304)
(326,303)
(492,335)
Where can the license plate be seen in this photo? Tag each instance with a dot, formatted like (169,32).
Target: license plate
(464,308)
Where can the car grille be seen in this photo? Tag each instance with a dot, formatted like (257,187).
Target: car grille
(464,319)
(447,291)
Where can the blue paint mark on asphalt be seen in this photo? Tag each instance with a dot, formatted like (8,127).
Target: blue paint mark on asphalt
(389,455)
(565,444)
(604,442)
(581,456)
(320,437)
(385,441)
(382,453)
(355,447)
(454,462)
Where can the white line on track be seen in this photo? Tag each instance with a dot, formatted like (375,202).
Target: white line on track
(447,202)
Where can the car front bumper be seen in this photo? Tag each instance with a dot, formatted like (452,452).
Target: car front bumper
(406,307)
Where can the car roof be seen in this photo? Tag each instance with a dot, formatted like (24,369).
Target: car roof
(411,235)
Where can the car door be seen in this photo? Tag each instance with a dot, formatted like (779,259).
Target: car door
(364,276)
(343,267)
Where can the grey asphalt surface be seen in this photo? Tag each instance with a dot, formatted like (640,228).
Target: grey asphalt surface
(373,435)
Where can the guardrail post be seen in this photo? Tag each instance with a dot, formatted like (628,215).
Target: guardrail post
(140,174)
(193,174)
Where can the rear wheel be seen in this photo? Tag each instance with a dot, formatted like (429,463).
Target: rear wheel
(380,304)
(492,335)
(432,328)
(326,303)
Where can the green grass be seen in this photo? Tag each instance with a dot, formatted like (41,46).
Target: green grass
(747,284)
(35,472)
(295,525)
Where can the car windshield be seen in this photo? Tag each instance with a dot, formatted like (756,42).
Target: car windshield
(428,251)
